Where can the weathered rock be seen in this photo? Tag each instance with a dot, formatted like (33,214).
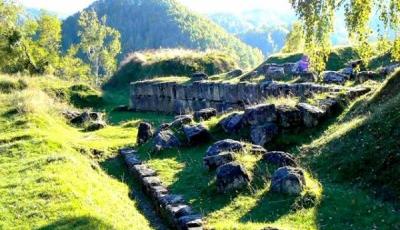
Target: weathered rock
(279,158)
(231,176)
(264,134)
(196,134)
(213,162)
(288,116)
(199,76)
(288,180)
(171,199)
(165,139)
(348,71)
(190,222)
(260,114)
(356,92)
(235,73)
(205,114)
(181,120)
(274,72)
(70,115)
(145,132)
(141,171)
(364,76)
(329,106)
(311,115)
(95,125)
(174,212)
(307,76)
(86,117)
(334,77)
(232,123)
(226,145)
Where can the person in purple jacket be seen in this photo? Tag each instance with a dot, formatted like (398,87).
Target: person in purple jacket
(304,64)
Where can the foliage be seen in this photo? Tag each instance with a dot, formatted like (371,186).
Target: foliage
(317,18)
(155,24)
(99,42)
(294,40)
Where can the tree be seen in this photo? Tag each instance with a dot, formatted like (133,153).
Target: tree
(100,43)
(294,40)
(317,17)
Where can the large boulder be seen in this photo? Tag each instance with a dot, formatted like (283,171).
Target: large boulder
(231,176)
(280,159)
(289,117)
(311,115)
(264,134)
(196,134)
(260,114)
(334,77)
(181,120)
(288,180)
(226,145)
(145,132)
(213,162)
(232,123)
(165,139)
(205,114)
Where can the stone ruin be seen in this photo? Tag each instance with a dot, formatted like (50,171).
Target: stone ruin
(175,98)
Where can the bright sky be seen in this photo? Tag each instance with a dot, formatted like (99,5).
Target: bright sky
(68,7)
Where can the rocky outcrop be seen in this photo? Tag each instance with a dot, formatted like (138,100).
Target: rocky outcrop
(172,207)
(260,114)
(311,115)
(231,176)
(288,180)
(171,97)
(145,132)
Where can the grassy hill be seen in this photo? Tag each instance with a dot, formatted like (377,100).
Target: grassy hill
(55,176)
(154,24)
(362,146)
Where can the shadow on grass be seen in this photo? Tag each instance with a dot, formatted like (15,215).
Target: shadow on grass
(84,222)
(116,168)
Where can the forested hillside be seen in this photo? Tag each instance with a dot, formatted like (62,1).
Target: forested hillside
(156,24)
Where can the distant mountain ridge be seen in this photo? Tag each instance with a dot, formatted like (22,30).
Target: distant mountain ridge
(153,24)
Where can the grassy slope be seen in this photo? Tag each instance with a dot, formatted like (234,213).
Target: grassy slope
(50,177)
(363,145)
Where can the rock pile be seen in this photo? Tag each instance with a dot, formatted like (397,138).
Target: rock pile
(171,207)
(90,121)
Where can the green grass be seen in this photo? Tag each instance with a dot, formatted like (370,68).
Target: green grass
(55,176)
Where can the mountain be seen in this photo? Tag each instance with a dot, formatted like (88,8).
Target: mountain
(258,28)
(154,24)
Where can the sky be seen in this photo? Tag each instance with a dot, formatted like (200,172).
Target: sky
(68,7)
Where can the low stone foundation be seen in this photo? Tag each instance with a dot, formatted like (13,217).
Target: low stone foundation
(171,97)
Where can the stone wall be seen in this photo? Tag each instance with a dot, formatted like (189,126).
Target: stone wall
(171,97)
